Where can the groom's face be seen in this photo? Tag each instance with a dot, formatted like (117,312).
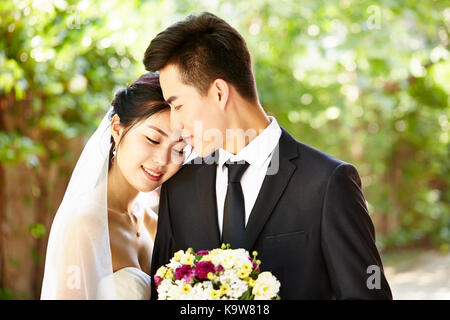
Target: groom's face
(198,116)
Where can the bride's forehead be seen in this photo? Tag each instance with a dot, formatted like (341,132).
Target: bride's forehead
(160,120)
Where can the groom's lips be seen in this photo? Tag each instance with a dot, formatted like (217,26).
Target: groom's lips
(187,139)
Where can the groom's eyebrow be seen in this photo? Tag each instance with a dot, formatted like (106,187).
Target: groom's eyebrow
(171,99)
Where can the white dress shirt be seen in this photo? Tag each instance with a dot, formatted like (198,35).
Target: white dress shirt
(258,154)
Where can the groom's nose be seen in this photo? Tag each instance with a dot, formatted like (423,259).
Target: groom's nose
(175,123)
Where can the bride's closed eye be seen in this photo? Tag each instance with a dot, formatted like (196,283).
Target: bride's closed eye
(152,141)
(174,150)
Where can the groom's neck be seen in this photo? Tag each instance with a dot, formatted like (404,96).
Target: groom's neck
(246,120)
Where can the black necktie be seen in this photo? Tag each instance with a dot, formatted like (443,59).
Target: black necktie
(234,208)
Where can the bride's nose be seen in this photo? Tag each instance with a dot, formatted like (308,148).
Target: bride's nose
(161,156)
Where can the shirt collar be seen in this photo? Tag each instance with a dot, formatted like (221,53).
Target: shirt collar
(258,150)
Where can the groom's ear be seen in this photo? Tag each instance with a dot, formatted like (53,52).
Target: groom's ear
(221,91)
(116,129)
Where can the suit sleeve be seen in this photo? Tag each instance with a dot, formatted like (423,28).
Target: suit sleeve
(163,247)
(348,239)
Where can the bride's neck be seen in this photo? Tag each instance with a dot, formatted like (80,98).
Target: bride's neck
(121,195)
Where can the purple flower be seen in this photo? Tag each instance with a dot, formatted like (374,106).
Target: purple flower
(255,265)
(220,268)
(184,272)
(203,268)
(157,280)
(202,252)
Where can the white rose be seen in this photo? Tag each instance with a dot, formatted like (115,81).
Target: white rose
(266,286)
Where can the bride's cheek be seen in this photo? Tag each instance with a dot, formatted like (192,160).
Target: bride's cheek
(144,152)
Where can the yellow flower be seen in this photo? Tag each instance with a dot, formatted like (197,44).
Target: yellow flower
(215,252)
(169,274)
(243,273)
(178,255)
(224,289)
(206,258)
(247,266)
(245,270)
(210,275)
(188,259)
(215,294)
(186,288)
(161,271)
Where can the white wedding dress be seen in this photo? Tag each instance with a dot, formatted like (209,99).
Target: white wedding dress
(130,283)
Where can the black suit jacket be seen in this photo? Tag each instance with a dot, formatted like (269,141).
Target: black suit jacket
(310,224)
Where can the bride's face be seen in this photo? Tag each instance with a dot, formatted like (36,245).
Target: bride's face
(150,153)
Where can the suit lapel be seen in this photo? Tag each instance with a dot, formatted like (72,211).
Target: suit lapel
(272,188)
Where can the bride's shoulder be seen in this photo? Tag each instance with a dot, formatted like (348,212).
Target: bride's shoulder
(82,216)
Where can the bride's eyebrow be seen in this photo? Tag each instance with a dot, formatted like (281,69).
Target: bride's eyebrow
(162,132)
(158,129)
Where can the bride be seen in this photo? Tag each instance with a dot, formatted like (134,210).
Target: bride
(101,240)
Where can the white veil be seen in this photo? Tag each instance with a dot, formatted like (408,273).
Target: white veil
(78,263)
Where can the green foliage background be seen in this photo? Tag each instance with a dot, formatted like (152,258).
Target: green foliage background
(367,82)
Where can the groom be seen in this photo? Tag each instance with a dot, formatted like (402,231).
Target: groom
(254,186)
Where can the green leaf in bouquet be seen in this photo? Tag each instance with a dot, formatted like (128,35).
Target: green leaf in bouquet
(248,295)
(198,258)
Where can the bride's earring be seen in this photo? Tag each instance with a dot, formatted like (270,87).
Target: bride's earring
(114,155)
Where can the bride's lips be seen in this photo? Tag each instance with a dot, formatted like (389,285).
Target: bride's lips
(152,174)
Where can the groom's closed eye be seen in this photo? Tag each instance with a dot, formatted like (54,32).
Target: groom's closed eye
(178,152)
(171,99)
(179,146)
(170,102)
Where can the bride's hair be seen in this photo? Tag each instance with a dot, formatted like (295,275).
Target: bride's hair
(137,102)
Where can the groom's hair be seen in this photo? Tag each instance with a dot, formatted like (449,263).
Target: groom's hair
(204,48)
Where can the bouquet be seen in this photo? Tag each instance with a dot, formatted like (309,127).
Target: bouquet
(225,274)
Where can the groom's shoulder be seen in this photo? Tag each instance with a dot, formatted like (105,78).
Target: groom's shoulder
(314,165)
(317,165)
(190,171)
(310,155)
